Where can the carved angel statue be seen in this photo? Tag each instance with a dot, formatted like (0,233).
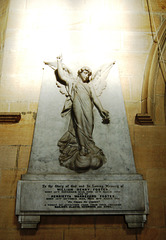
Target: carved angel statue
(77,148)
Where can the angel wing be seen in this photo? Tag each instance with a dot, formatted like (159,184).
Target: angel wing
(99,78)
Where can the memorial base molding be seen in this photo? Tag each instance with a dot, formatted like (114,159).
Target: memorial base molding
(135,221)
(76,195)
(28,221)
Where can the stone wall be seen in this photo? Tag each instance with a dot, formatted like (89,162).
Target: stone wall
(4,5)
(31,37)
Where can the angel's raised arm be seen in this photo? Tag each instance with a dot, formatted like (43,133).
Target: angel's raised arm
(61,72)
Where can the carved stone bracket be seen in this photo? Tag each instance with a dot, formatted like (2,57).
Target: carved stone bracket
(29,221)
(135,221)
(143,119)
(10,117)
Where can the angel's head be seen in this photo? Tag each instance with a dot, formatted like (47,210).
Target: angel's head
(85,74)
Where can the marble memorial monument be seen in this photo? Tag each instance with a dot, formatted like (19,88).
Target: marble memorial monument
(81,159)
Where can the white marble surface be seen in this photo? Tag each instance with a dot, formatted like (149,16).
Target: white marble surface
(113,139)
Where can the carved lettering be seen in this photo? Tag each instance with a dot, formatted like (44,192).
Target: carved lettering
(86,196)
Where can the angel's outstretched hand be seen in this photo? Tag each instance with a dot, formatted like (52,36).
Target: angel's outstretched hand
(52,65)
(105,116)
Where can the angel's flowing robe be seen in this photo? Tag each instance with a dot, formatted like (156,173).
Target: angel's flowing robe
(79,132)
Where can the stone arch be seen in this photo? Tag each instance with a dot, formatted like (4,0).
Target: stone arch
(153,99)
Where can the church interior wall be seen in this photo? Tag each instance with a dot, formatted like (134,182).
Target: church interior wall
(27,39)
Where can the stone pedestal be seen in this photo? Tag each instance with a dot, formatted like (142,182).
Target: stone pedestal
(50,189)
(75,195)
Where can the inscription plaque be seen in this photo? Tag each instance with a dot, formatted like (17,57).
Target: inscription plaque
(92,198)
